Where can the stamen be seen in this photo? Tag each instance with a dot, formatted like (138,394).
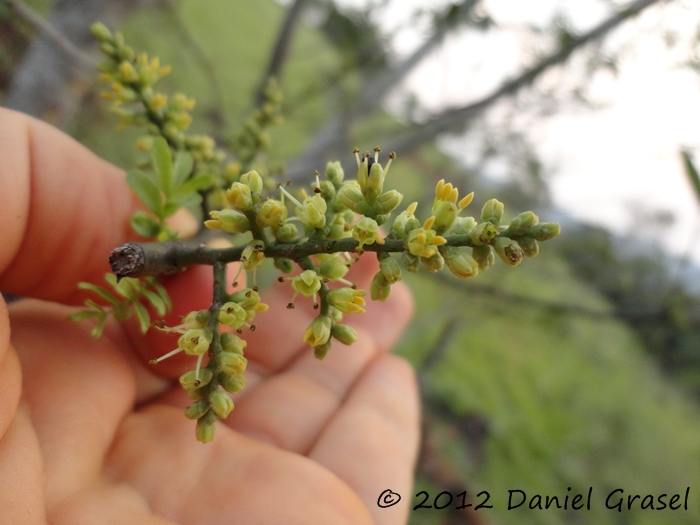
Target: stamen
(169,354)
(291,197)
(199,364)
(356,151)
(235,279)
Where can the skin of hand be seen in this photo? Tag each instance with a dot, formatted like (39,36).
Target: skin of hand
(90,433)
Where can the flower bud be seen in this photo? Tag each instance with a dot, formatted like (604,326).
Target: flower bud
(333,268)
(307,283)
(544,231)
(272,213)
(461,226)
(335,173)
(366,231)
(100,31)
(483,233)
(521,224)
(529,246)
(327,190)
(484,256)
(228,220)
(508,250)
(423,242)
(492,212)
(284,265)
(322,350)
(410,262)
(390,269)
(319,331)
(286,233)
(374,183)
(240,197)
(231,363)
(195,341)
(198,393)
(233,384)
(206,427)
(351,197)
(253,180)
(189,380)
(460,263)
(445,213)
(313,212)
(220,403)
(379,288)
(232,315)
(127,72)
(197,409)
(434,263)
(344,334)
(196,319)
(232,343)
(388,202)
(347,300)
(253,255)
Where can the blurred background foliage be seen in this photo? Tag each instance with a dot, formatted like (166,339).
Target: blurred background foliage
(579,369)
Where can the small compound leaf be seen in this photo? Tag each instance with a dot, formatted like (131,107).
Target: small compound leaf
(143,316)
(163,164)
(97,331)
(83,314)
(156,301)
(163,293)
(122,312)
(183,167)
(102,292)
(145,225)
(146,189)
(190,201)
(202,181)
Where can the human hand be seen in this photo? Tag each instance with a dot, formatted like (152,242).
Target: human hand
(97,435)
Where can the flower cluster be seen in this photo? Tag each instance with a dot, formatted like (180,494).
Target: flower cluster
(200,336)
(319,231)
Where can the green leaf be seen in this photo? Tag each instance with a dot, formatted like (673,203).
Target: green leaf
(146,189)
(163,293)
(83,314)
(102,292)
(200,182)
(692,172)
(143,316)
(156,301)
(144,225)
(190,201)
(97,331)
(183,168)
(121,312)
(163,164)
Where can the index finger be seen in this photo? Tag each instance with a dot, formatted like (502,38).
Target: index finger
(62,209)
